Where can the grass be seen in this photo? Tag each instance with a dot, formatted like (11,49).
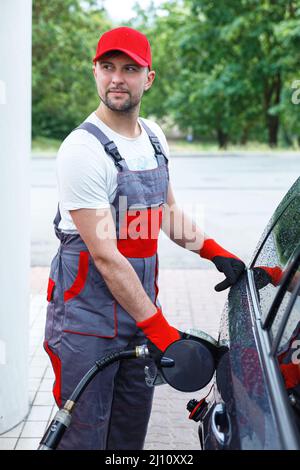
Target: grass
(182,146)
(45,147)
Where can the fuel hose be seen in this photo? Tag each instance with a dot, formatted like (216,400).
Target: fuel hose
(62,418)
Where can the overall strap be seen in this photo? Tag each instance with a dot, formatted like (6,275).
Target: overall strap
(159,153)
(57,218)
(58,232)
(109,146)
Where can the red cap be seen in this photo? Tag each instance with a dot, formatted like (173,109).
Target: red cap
(127,40)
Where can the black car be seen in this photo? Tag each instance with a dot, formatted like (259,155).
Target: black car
(254,402)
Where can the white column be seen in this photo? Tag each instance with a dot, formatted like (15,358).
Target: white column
(15,147)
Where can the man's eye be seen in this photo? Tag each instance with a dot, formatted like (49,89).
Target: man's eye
(131,68)
(106,66)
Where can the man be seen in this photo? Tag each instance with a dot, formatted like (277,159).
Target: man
(114,189)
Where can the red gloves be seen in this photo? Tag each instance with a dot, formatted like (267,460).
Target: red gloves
(263,275)
(159,333)
(224,261)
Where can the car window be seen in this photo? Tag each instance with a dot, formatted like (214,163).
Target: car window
(292,330)
(274,256)
(288,355)
(277,322)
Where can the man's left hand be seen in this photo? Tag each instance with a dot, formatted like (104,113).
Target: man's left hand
(233,268)
(225,262)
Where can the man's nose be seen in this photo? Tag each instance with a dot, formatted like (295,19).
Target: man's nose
(117,77)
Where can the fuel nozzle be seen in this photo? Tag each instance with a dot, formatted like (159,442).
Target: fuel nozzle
(57,428)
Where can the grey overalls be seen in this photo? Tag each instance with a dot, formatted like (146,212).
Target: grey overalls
(84,321)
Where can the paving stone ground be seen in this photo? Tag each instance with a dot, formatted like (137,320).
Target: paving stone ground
(188,300)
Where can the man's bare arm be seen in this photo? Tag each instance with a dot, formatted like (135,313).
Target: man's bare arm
(97,229)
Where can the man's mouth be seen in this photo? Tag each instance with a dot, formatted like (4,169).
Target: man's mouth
(117,91)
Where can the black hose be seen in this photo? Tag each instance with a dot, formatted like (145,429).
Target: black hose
(98,366)
(62,419)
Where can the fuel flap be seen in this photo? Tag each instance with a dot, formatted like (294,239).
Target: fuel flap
(195,359)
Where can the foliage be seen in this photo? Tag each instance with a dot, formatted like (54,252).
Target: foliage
(224,69)
(65,33)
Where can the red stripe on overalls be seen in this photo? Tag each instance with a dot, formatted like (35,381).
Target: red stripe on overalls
(56,364)
(139,233)
(82,273)
(51,285)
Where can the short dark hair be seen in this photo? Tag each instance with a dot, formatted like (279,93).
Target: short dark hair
(110,54)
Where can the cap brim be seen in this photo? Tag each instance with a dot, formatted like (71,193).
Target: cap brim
(133,56)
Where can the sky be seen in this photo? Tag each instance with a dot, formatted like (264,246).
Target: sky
(121,10)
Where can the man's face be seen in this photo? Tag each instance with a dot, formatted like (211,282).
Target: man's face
(121,82)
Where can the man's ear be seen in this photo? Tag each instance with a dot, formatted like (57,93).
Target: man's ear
(95,69)
(150,80)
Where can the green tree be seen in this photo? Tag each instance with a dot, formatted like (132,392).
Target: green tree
(225,68)
(236,44)
(288,35)
(160,31)
(65,33)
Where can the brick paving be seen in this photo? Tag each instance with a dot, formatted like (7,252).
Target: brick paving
(188,299)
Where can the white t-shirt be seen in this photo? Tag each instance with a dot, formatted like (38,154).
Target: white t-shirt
(87,176)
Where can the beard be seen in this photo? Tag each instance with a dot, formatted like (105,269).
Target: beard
(124,106)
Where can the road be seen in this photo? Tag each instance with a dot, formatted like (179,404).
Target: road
(232,196)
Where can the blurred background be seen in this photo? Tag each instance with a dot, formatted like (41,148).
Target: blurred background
(227,72)
(227,95)
(227,89)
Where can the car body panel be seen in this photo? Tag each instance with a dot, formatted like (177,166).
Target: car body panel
(240,381)
(248,389)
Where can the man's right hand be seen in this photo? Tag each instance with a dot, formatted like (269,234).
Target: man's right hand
(264,275)
(159,334)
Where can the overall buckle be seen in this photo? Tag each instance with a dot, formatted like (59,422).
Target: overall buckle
(156,145)
(112,150)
